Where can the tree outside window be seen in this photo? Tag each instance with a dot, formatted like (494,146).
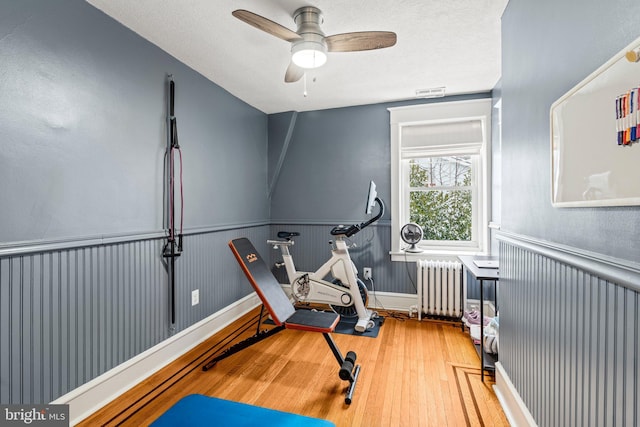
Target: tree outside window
(440,197)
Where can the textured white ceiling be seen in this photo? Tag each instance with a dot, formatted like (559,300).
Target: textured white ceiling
(451,43)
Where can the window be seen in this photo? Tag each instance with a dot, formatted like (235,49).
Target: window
(441,196)
(440,175)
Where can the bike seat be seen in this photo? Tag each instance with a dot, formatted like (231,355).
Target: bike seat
(287,234)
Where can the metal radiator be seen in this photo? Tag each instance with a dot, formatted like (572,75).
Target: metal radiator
(440,291)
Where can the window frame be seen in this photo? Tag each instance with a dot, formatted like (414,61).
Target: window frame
(440,113)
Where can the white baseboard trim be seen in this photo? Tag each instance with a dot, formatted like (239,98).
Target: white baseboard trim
(88,398)
(394,301)
(514,408)
(384,300)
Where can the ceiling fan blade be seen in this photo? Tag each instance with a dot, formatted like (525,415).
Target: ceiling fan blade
(365,40)
(266,25)
(293,74)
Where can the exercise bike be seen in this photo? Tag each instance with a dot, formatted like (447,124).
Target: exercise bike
(345,293)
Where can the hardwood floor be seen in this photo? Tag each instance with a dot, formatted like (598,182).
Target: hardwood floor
(413,374)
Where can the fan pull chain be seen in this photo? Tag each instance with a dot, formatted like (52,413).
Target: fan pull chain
(305,85)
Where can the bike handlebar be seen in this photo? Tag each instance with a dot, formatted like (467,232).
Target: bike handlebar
(355,228)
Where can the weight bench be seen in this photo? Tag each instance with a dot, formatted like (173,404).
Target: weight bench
(284,314)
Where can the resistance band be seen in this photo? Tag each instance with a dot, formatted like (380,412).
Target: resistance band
(170,250)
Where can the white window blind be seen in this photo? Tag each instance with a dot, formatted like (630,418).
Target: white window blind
(439,138)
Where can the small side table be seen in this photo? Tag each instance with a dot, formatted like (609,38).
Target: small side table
(487,360)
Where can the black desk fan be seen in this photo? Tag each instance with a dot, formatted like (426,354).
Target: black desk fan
(411,234)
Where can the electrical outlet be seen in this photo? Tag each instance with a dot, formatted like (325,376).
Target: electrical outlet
(367,273)
(195,297)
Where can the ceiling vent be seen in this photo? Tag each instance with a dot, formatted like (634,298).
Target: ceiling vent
(434,92)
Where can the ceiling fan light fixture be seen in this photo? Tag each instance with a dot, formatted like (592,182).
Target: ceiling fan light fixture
(309,54)
(309,45)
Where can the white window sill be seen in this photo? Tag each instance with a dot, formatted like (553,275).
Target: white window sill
(440,255)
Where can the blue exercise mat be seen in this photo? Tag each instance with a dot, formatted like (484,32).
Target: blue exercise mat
(197,410)
(347,326)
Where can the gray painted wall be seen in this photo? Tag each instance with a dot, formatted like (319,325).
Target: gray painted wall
(84,130)
(83,285)
(548,47)
(568,338)
(332,156)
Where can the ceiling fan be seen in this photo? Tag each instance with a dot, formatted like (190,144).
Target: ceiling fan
(309,45)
